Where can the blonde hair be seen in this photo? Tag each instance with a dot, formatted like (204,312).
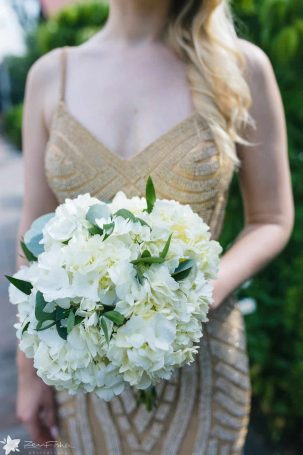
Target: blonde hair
(202,32)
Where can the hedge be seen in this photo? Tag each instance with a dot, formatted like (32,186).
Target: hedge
(275,330)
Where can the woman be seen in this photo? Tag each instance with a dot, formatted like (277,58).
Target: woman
(164,89)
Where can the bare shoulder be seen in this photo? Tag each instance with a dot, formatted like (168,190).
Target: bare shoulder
(258,64)
(43,84)
(45,69)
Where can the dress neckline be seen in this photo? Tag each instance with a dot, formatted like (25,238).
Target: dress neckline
(151,146)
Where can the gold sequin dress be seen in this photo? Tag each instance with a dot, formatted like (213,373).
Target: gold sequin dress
(204,408)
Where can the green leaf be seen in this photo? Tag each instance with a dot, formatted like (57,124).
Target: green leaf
(61,313)
(25,328)
(114,316)
(33,236)
(107,307)
(104,328)
(62,331)
(142,222)
(150,195)
(70,321)
(145,254)
(95,230)
(40,314)
(148,260)
(97,211)
(125,214)
(27,253)
(140,269)
(23,286)
(148,397)
(39,326)
(164,252)
(78,319)
(183,270)
(140,276)
(184,265)
(108,229)
(57,315)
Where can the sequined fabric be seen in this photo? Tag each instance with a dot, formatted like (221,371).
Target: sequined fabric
(204,408)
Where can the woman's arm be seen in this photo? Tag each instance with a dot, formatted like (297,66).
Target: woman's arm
(35,400)
(265,181)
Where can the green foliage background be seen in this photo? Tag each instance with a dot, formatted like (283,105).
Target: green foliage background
(275,330)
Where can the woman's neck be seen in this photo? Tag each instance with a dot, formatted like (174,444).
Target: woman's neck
(136,21)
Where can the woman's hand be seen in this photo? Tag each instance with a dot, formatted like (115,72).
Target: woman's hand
(218,295)
(36,405)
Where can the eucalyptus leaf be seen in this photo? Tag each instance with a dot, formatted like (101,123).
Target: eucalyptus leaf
(40,326)
(34,246)
(142,222)
(124,213)
(104,328)
(108,229)
(55,317)
(95,230)
(62,331)
(97,211)
(61,313)
(78,319)
(114,316)
(150,195)
(128,215)
(40,314)
(182,275)
(183,270)
(23,286)
(27,253)
(33,236)
(70,321)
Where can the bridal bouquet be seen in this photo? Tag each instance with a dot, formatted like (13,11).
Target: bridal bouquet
(115,293)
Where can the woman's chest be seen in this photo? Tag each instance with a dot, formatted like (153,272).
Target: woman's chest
(135,99)
(184,163)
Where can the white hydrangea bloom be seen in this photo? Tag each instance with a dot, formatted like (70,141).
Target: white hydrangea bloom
(69,220)
(90,276)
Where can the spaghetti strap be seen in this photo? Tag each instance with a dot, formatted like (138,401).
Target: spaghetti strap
(63,73)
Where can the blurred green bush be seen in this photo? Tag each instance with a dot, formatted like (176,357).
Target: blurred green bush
(275,331)
(71,26)
(13,124)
